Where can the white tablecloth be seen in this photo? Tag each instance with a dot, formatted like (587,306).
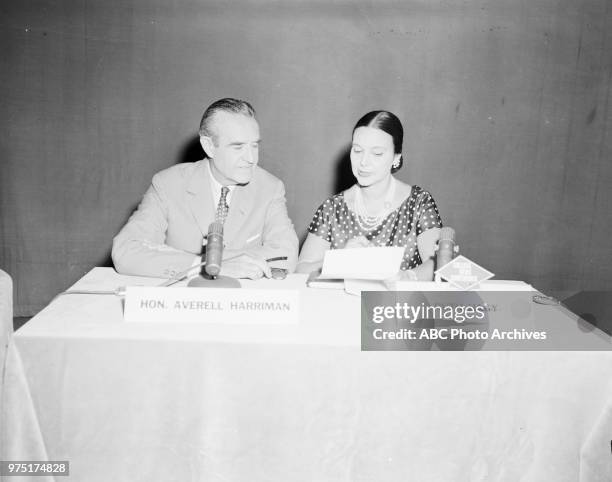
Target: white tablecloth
(170,402)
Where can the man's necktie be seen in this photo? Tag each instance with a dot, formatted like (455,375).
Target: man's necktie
(222,207)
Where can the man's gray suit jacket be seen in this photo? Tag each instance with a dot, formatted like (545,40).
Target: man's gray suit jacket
(165,234)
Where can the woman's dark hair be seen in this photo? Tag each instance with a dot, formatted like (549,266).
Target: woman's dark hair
(387,122)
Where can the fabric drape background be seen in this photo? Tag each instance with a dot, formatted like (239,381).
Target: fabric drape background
(505,106)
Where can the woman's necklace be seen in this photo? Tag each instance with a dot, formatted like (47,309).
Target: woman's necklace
(366,221)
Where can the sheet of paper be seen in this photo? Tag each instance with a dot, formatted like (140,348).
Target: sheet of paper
(362,263)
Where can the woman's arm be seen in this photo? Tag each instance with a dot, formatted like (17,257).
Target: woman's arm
(426,242)
(311,256)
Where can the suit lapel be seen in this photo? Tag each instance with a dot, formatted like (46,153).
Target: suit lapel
(200,199)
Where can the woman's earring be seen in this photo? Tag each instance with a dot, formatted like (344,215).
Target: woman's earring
(397,163)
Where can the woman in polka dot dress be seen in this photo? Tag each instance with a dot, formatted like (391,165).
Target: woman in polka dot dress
(378,210)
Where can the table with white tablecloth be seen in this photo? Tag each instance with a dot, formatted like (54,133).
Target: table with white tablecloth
(293,402)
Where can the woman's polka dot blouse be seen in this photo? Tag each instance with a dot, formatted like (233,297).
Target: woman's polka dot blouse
(336,223)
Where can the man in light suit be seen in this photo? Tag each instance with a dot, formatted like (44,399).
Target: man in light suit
(165,234)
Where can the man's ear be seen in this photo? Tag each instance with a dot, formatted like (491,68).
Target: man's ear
(208,145)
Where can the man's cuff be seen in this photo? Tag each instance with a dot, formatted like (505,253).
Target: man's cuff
(197,262)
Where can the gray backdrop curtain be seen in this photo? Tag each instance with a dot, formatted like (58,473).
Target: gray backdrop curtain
(505,105)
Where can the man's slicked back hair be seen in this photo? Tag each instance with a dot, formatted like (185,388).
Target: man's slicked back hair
(233,106)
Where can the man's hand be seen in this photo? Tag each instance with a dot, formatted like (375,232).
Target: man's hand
(245,266)
(358,242)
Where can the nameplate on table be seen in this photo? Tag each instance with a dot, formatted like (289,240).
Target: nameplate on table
(211,305)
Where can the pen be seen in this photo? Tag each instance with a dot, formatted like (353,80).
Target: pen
(278,258)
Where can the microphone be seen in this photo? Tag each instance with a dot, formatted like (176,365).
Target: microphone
(446,247)
(214,249)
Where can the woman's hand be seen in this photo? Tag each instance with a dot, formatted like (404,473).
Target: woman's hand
(358,242)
